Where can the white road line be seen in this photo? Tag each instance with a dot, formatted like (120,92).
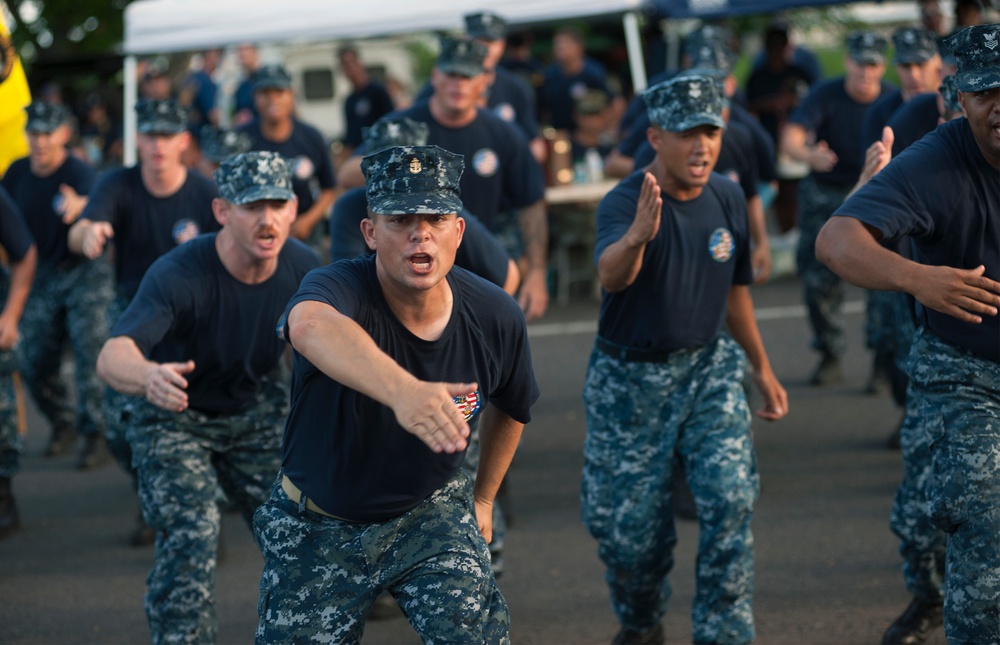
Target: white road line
(542,330)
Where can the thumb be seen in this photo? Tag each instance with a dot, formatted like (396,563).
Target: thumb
(822,146)
(65,190)
(978,271)
(888,137)
(458,389)
(185,368)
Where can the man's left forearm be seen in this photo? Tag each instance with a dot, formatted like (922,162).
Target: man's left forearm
(499,435)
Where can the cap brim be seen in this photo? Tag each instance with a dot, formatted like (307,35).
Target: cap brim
(978,80)
(915,58)
(695,120)
(868,59)
(161,128)
(41,128)
(710,72)
(468,71)
(416,204)
(262,193)
(272,85)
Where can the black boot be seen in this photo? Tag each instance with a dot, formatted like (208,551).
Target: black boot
(10,519)
(828,372)
(94,453)
(62,440)
(652,636)
(915,624)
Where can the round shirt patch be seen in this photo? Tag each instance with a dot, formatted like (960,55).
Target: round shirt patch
(363,107)
(185,230)
(505,111)
(578,89)
(469,404)
(302,168)
(733,176)
(59,204)
(721,245)
(485,162)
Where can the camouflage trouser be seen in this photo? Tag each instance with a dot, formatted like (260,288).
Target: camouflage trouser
(638,415)
(11,443)
(181,459)
(471,465)
(823,289)
(921,544)
(959,395)
(67,304)
(321,575)
(889,330)
(118,407)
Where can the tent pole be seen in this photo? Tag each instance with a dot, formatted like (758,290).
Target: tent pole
(131,91)
(630,22)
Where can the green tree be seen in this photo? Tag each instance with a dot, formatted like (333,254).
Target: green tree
(56,29)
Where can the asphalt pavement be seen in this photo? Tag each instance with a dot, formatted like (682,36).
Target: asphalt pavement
(827,567)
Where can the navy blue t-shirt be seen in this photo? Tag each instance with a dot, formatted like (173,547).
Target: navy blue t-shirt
(189,307)
(41,203)
(198,92)
(913,120)
(479,251)
(145,226)
(345,450)
(877,117)
(15,237)
(764,83)
(362,109)
(678,299)
(308,159)
(243,97)
(763,144)
(942,194)
(837,119)
(500,171)
(559,92)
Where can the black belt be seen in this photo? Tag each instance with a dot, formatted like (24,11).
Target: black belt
(634,355)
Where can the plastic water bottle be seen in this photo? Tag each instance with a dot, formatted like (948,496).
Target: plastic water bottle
(595,165)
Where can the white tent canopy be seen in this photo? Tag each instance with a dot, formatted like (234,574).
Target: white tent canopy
(153,26)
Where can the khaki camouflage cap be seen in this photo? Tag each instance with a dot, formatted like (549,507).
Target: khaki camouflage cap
(253,177)
(685,102)
(44,117)
(394,131)
(977,55)
(461,57)
(160,117)
(914,45)
(410,180)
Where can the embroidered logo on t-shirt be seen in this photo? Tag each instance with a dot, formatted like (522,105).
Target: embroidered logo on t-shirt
(505,111)
(302,167)
(185,230)
(721,245)
(485,162)
(469,404)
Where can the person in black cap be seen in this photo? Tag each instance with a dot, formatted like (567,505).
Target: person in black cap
(395,356)
(502,174)
(15,238)
(145,211)
(675,385)
(943,193)
(198,345)
(367,103)
(70,294)
(825,132)
(570,75)
(217,144)
(480,252)
(277,129)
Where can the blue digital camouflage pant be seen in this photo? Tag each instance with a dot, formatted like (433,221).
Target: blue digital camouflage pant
(889,330)
(181,459)
(118,407)
(823,289)
(960,395)
(638,415)
(67,303)
(11,443)
(321,575)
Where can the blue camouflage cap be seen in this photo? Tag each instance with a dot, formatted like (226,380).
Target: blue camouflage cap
(395,131)
(685,102)
(253,177)
(866,47)
(217,143)
(410,180)
(949,93)
(160,117)
(462,57)
(707,49)
(485,25)
(45,117)
(272,77)
(914,45)
(977,55)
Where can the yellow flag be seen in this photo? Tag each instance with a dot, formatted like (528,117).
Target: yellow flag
(14,97)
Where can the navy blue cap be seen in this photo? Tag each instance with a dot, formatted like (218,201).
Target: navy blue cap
(44,117)
(272,77)
(866,47)
(253,177)
(410,180)
(395,131)
(685,102)
(485,25)
(977,56)
(217,143)
(914,45)
(462,57)
(160,117)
